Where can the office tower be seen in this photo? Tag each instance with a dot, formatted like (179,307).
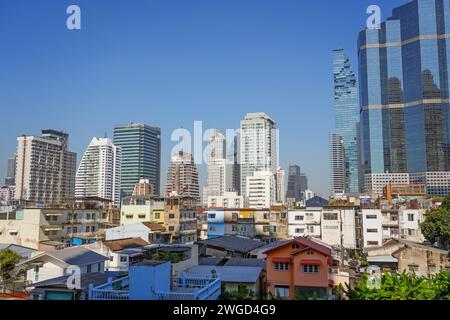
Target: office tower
(220,171)
(45,169)
(404,94)
(294,191)
(337,165)
(347,116)
(280,186)
(141,155)
(258,146)
(10,179)
(182,176)
(98,175)
(303,182)
(261,190)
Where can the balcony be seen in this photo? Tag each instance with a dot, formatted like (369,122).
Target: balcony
(184,289)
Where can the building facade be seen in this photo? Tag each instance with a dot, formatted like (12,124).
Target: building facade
(337,165)
(141,155)
(98,175)
(182,176)
(347,117)
(404,91)
(10,179)
(45,169)
(258,146)
(261,190)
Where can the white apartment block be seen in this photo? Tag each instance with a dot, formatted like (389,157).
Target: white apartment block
(304,223)
(33,227)
(381,225)
(334,226)
(6,195)
(338,227)
(45,170)
(258,146)
(260,190)
(230,200)
(99,172)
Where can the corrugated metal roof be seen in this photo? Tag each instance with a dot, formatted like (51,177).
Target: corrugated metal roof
(237,262)
(231,243)
(76,256)
(228,273)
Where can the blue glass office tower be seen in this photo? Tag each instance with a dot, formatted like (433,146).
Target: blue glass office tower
(141,155)
(404,90)
(347,116)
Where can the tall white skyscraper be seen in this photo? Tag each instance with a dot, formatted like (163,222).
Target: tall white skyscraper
(221,173)
(99,172)
(258,146)
(45,170)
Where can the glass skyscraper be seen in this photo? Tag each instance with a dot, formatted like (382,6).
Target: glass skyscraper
(347,117)
(141,155)
(404,90)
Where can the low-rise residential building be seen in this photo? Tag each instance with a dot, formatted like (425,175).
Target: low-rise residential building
(380,225)
(142,209)
(180,218)
(59,263)
(148,231)
(299,269)
(406,256)
(234,278)
(153,280)
(32,227)
(228,246)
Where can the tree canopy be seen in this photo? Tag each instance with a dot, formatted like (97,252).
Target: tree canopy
(406,286)
(436,227)
(8,261)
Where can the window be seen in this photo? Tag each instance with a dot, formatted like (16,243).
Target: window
(212,228)
(129,216)
(410,217)
(330,216)
(432,269)
(87,229)
(141,216)
(171,228)
(157,215)
(282,291)
(171,216)
(281,266)
(89,268)
(111,258)
(123,258)
(371,217)
(310,269)
(413,268)
(299,218)
(211,216)
(266,229)
(372,243)
(372,230)
(299,230)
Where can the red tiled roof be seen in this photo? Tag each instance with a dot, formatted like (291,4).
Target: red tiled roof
(306,243)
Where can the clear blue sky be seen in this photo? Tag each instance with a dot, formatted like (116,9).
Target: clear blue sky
(170,62)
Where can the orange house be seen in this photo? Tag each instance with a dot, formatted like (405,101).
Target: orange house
(299,269)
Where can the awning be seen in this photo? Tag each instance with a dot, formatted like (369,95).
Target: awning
(281,260)
(311,262)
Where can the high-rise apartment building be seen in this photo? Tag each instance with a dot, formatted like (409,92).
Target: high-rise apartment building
(280,186)
(347,118)
(261,190)
(141,155)
(258,146)
(99,172)
(45,169)
(220,170)
(404,92)
(182,176)
(337,164)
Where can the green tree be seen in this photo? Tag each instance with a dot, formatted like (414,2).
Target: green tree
(404,286)
(436,227)
(8,261)
(242,294)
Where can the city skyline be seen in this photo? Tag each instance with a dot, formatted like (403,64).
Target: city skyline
(251,66)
